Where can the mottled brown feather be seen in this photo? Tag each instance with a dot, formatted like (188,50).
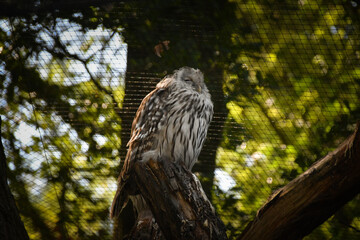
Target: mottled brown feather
(171,123)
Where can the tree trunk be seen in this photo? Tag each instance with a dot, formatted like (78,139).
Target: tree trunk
(11,226)
(144,69)
(307,201)
(178,201)
(192,41)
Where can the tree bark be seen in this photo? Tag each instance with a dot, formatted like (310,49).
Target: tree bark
(307,201)
(177,201)
(11,226)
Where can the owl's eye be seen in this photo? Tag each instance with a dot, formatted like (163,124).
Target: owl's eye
(187,80)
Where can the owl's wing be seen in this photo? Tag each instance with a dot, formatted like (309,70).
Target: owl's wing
(149,117)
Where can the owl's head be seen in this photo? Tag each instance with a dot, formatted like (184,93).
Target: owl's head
(190,78)
(186,78)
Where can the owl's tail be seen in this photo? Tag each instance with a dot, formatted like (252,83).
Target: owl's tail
(120,200)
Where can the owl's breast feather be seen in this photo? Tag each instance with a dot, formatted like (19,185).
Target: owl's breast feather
(181,136)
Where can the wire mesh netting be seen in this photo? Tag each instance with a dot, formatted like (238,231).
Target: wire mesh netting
(284,78)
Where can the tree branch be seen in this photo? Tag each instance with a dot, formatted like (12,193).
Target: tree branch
(177,201)
(307,201)
(11,226)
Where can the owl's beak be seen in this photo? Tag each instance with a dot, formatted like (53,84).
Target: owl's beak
(199,89)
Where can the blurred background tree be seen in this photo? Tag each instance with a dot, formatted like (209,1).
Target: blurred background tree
(284,78)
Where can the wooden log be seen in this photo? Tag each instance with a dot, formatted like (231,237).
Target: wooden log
(177,201)
(307,201)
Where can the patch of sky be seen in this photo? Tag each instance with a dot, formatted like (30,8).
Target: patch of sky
(24,133)
(100,139)
(225,181)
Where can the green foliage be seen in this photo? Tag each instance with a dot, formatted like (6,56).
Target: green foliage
(62,174)
(298,100)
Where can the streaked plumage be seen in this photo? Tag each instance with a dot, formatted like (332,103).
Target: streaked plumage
(171,123)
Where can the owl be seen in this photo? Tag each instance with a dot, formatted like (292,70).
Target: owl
(171,123)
